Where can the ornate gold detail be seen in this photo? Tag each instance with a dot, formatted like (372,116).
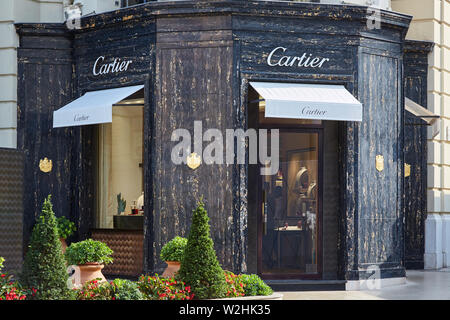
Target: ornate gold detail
(193,161)
(45,165)
(407,170)
(379,162)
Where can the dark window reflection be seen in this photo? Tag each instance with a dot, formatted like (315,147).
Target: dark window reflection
(289,243)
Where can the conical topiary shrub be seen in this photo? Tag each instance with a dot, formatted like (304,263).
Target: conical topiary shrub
(45,267)
(199,266)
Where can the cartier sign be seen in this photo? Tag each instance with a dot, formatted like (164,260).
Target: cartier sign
(116,66)
(306,60)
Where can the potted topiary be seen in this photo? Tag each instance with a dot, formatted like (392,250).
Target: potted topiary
(172,253)
(90,256)
(65,229)
(200,268)
(44,267)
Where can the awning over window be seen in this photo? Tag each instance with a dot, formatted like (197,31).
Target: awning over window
(308,101)
(421,112)
(92,108)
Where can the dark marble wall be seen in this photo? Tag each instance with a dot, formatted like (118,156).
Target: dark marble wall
(380,206)
(196,62)
(194,75)
(45,84)
(370,211)
(416,71)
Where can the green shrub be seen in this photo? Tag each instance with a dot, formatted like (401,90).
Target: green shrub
(65,227)
(199,266)
(156,288)
(123,289)
(88,251)
(44,267)
(1,263)
(174,249)
(255,286)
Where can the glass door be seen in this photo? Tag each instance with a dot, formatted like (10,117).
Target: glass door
(289,217)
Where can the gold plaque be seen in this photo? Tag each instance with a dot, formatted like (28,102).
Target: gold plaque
(407,170)
(193,161)
(45,165)
(379,162)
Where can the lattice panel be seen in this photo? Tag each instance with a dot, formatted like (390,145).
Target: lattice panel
(11,208)
(128,247)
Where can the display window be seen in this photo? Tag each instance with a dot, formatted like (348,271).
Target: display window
(120,171)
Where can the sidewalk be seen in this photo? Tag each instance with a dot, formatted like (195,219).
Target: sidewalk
(420,285)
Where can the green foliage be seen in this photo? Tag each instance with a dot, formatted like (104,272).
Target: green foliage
(255,286)
(44,267)
(121,204)
(65,227)
(126,290)
(199,266)
(174,249)
(1,263)
(235,286)
(156,288)
(88,251)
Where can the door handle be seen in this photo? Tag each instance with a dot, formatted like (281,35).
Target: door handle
(264,213)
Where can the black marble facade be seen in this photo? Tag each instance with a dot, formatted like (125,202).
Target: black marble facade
(196,60)
(416,71)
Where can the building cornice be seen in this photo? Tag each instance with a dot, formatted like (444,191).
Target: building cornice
(306,10)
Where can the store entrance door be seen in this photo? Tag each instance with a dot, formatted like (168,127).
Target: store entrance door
(289,235)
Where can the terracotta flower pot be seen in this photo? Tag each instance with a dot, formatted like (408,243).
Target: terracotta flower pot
(63,244)
(91,271)
(172,268)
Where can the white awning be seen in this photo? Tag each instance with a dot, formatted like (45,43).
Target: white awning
(308,101)
(92,108)
(421,112)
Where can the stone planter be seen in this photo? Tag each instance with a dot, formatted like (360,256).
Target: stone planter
(90,271)
(172,268)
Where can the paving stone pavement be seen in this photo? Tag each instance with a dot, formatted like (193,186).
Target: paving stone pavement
(420,285)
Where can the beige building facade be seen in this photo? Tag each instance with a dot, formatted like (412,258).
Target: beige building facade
(431,22)
(12,11)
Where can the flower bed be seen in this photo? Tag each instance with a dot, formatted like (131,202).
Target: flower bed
(11,290)
(157,288)
(200,275)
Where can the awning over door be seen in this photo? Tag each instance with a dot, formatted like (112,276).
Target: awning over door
(421,112)
(92,108)
(308,101)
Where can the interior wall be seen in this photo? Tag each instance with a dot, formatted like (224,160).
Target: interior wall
(121,146)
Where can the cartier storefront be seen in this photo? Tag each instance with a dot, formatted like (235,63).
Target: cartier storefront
(105,100)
